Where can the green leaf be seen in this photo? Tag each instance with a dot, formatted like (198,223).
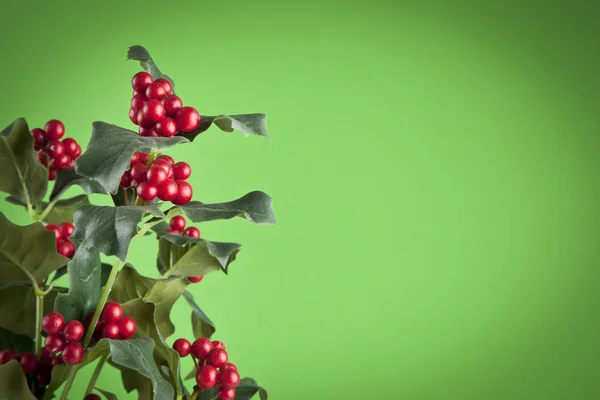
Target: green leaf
(193,257)
(130,285)
(108,395)
(27,252)
(23,177)
(110,229)
(62,211)
(58,376)
(66,178)
(110,150)
(17,307)
(140,54)
(13,384)
(19,343)
(248,124)
(255,206)
(84,284)
(201,324)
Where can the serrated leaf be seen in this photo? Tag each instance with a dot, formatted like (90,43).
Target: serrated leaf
(110,229)
(130,285)
(108,395)
(13,384)
(110,150)
(84,284)
(27,252)
(23,177)
(184,256)
(140,54)
(104,272)
(14,341)
(255,206)
(248,124)
(62,211)
(66,178)
(201,324)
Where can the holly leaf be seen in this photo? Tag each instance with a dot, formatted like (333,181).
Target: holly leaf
(65,178)
(255,206)
(13,384)
(130,285)
(140,54)
(23,177)
(110,150)
(27,252)
(58,376)
(110,229)
(248,124)
(84,284)
(108,395)
(185,256)
(201,324)
(19,343)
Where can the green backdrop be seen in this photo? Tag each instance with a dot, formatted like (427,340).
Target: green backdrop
(434,166)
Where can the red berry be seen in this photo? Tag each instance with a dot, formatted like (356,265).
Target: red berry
(226,394)
(127,327)
(140,81)
(156,175)
(139,172)
(201,348)
(218,345)
(125,180)
(154,110)
(54,343)
(172,232)
(38,147)
(112,312)
(155,91)
(54,148)
(229,378)
(229,366)
(133,115)
(165,165)
(183,347)
(139,157)
(137,101)
(57,231)
(56,360)
(43,376)
(51,174)
(172,104)
(39,136)
(148,132)
(167,190)
(195,279)
(92,396)
(6,355)
(66,248)
(192,232)
(54,129)
(73,353)
(46,357)
(177,223)
(43,158)
(165,158)
(146,191)
(207,376)
(73,331)
(53,322)
(166,127)
(166,84)
(184,193)
(61,162)
(187,119)
(144,121)
(72,148)
(110,330)
(29,363)
(182,171)
(66,229)
(217,357)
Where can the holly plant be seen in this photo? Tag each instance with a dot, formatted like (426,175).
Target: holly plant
(110,313)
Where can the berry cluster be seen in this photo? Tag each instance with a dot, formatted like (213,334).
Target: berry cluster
(53,153)
(31,365)
(112,324)
(212,365)
(64,246)
(63,338)
(157,111)
(164,179)
(177,224)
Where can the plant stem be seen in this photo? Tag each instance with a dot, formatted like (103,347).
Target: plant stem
(195,394)
(47,210)
(102,302)
(39,314)
(95,375)
(69,383)
(126,196)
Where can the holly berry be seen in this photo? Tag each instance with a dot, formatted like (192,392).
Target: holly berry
(127,327)
(73,353)
(141,81)
(153,110)
(155,91)
(156,175)
(226,394)
(166,166)
(195,279)
(92,396)
(218,345)
(110,330)
(66,229)
(133,115)
(165,158)
(166,127)
(29,363)
(182,171)
(56,230)
(201,348)
(66,248)
(172,104)
(192,232)
(53,322)
(144,121)
(139,172)
(182,346)
(184,193)
(54,148)
(167,190)
(43,376)
(54,342)
(112,312)
(166,84)
(51,174)
(54,129)
(137,101)
(147,191)
(61,162)
(187,119)
(73,331)
(206,377)
(6,355)
(229,366)
(72,148)
(229,378)
(177,223)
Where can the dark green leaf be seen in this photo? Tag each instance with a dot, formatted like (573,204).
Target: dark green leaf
(27,252)
(140,54)
(84,284)
(62,211)
(108,395)
(130,285)
(59,375)
(110,229)
(13,384)
(110,150)
(66,178)
(254,206)
(248,124)
(248,388)
(23,177)
(201,324)
(19,343)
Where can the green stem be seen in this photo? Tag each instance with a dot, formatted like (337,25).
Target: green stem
(95,375)
(47,210)
(195,394)
(39,314)
(102,302)
(69,383)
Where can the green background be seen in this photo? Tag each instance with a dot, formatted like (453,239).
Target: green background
(434,167)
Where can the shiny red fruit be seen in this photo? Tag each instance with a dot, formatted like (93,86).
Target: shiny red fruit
(66,229)
(73,331)
(7,355)
(148,132)
(66,248)
(167,190)
(184,193)
(112,312)
(110,330)
(187,119)
(133,115)
(166,127)
(54,343)
(73,353)
(127,327)
(39,136)
(177,223)
(42,158)
(61,162)
(153,110)
(146,191)
(54,148)
(172,104)
(137,101)
(144,121)
(155,91)
(43,376)
(166,84)
(156,175)
(172,232)
(182,171)
(192,232)
(54,129)
(201,348)
(53,322)
(56,230)
(139,172)
(165,158)
(29,363)
(218,345)
(207,377)
(195,279)
(182,347)
(229,366)
(139,157)
(125,180)
(141,81)
(226,394)
(51,174)
(72,148)
(229,378)
(166,165)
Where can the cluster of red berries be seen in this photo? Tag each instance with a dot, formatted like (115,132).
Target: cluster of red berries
(53,153)
(164,179)
(32,365)
(112,324)
(63,337)
(212,365)
(177,224)
(64,246)
(157,111)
